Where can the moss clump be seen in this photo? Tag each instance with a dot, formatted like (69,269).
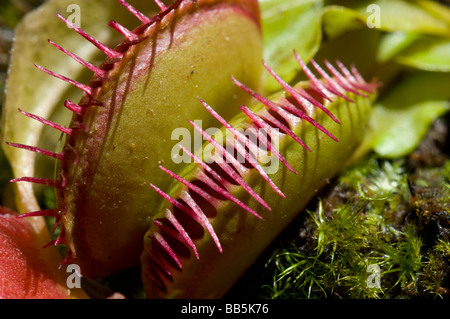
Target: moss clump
(382,215)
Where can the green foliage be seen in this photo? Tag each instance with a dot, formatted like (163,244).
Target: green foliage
(290,24)
(403,115)
(410,43)
(404,258)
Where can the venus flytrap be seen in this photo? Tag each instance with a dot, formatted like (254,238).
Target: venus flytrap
(225,206)
(119,131)
(220,214)
(127,104)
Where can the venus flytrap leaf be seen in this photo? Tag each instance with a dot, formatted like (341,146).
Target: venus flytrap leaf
(22,90)
(223,233)
(147,86)
(26,270)
(24,79)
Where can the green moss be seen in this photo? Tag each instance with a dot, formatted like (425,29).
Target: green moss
(373,216)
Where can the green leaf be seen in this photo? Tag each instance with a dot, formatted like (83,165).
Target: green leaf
(391,44)
(25,84)
(420,16)
(400,137)
(289,25)
(337,20)
(427,53)
(402,117)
